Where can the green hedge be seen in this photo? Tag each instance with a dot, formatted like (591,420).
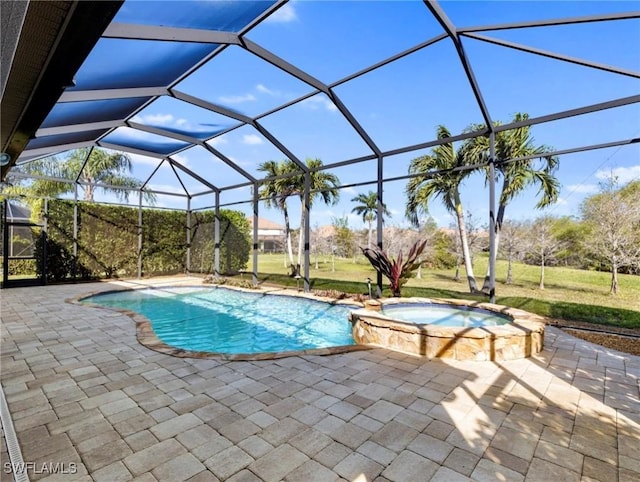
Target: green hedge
(108,241)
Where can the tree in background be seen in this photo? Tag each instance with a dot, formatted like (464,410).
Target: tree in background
(512,245)
(275,191)
(343,239)
(107,171)
(368,209)
(542,245)
(446,185)
(613,218)
(292,181)
(516,176)
(572,232)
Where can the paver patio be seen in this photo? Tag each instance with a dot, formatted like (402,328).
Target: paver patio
(81,390)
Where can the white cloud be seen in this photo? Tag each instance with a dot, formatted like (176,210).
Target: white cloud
(561,201)
(624,174)
(265,90)
(582,188)
(318,101)
(251,139)
(162,119)
(348,190)
(237,99)
(284,14)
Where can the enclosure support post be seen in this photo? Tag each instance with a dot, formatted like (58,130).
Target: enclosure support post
(188,261)
(307,196)
(75,230)
(492,218)
(379,233)
(139,234)
(45,241)
(5,244)
(255,234)
(216,238)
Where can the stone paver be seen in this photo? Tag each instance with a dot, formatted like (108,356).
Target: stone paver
(81,389)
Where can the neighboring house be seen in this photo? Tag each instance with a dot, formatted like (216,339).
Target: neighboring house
(270,236)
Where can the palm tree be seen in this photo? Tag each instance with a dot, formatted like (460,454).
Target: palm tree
(291,181)
(109,169)
(368,209)
(446,185)
(321,184)
(518,175)
(276,191)
(102,167)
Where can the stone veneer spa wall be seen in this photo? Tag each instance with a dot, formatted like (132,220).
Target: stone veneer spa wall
(522,337)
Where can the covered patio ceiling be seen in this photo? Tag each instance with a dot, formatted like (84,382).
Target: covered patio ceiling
(78,83)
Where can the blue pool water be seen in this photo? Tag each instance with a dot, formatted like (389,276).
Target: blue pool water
(444,315)
(229,321)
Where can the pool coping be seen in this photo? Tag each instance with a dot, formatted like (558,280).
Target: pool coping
(148,338)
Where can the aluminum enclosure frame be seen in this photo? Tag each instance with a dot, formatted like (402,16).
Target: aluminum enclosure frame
(223,39)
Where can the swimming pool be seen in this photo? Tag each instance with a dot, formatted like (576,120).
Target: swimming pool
(226,321)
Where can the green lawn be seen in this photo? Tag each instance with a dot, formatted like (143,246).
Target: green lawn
(570,294)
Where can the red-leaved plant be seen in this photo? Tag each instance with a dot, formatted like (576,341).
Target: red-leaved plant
(397,271)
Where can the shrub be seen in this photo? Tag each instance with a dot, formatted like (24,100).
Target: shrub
(397,270)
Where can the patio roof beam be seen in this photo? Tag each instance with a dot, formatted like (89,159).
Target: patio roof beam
(450,28)
(552,22)
(237,186)
(282,64)
(132,150)
(84,163)
(210,106)
(303,76)
(52,131)
(388,60)
(144,184)
(227,161)
(573,150)
(354,122)
(281,147)
(436,142)
(191,173)
(53,150)
(186,191)
(172,34)
(612,104)
(191,140)
(353,76)
(106,94)
(552,55)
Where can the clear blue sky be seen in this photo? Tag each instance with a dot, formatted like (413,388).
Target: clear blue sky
(402,103)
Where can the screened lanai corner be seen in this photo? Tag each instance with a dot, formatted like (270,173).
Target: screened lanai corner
(199,97)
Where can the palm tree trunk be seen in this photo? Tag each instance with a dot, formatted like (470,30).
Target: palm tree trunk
(462,229)
(541,284)
(509,269)
(287,228)
(370,233)
(486,286)
(614,277)
(301,239)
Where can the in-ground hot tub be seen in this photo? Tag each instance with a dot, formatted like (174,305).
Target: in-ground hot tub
(462,330)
